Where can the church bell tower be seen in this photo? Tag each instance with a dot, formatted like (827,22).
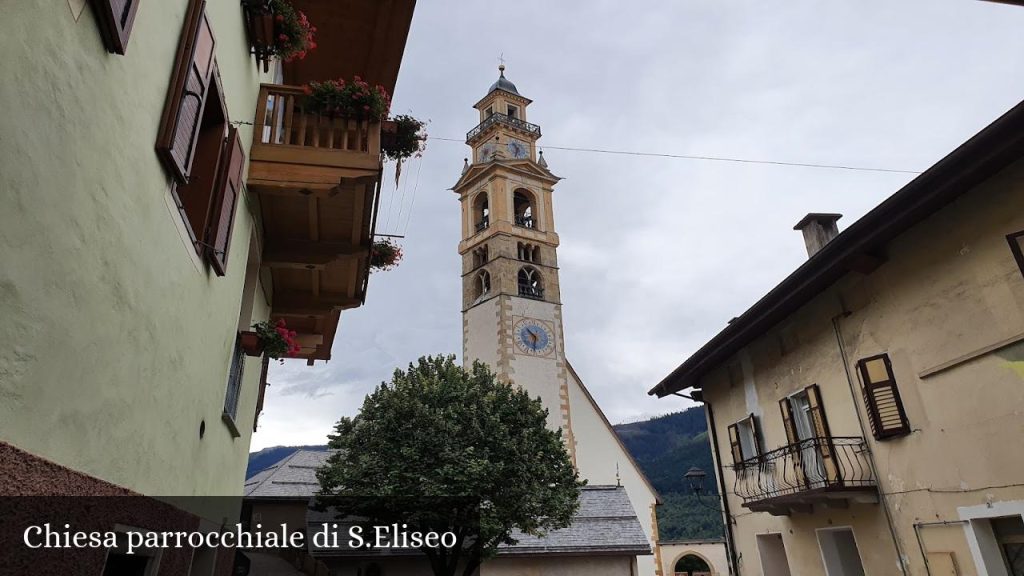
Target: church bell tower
(511,307)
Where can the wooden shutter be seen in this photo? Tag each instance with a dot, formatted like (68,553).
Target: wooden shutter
(820,423)
(115,18)
(1017,248)
(882,398)
(263,390)
(190,82)
(228,188)
(787,420)
(755,431)
(734,445)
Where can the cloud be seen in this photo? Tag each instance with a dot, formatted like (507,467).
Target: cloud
(658,254)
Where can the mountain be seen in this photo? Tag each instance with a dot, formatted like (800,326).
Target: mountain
(665,447)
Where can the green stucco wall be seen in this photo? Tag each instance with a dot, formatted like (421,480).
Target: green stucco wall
(114,343)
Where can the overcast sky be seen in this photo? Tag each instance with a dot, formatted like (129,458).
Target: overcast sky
(658,254)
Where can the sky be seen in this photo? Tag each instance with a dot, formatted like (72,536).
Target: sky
(657,254)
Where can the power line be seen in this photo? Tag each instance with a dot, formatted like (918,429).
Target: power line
(412,202)
(712,158)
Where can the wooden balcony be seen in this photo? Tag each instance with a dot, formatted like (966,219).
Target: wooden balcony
(317,180)
(831,470)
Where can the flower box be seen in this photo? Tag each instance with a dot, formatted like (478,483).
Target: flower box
(251,343)
(275,28)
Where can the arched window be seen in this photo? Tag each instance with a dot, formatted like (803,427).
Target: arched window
(522,205)
(530,285)
(482,285)
(691,565)
(481,212)
(480,256)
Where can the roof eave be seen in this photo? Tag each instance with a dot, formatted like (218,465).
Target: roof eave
(978,158)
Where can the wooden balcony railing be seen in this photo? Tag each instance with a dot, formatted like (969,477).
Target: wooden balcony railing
(286,134)
(803,471)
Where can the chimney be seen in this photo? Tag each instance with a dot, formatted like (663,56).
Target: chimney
(818,230)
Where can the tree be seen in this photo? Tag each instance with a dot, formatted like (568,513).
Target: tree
(442,445)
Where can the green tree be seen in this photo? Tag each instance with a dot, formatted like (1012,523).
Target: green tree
(438,431)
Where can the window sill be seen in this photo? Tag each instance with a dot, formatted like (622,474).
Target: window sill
(230,423)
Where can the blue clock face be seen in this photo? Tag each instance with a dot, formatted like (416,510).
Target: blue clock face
(518,149)
(534,337)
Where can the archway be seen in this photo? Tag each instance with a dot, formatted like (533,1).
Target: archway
(523,204)
(481,212)
(691,564)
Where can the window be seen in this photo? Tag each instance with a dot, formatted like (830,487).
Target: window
(481,212)
(489,112)
(803,418)
(1009,535)
(691,565)
(882,398)
(772,551)
(745,440)
(234,390)
(197,145)
(482,284)
(839,552)
(530,285)
(115,19)
(522,206)
(528,252)
(513,111)
(1017,247)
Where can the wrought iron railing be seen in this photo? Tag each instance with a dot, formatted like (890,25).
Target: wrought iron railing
(524,221)
(811,464)
(534,292)
(484,223)
(503,119)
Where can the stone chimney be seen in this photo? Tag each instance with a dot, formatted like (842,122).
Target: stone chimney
(818,230)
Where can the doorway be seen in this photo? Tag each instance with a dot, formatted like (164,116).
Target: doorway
(839,552)
(772,551)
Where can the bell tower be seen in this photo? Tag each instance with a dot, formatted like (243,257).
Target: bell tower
(511,307)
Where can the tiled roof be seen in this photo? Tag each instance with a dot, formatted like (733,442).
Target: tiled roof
(605,522)
(293,477)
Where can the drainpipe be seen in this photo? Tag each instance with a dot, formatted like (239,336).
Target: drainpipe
(920,541)
(864,432)
(733,561)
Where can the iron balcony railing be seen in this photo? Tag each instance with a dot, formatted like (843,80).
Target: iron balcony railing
(484,223)
(534,292)
(506,120)
(524,221)
(820,464)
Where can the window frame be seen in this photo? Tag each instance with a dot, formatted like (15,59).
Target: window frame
(115,30)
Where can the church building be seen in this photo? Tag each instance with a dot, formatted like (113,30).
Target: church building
(512,314)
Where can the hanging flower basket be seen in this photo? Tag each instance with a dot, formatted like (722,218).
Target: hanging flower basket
(274,340)
(354,99)
(401,138)
(276,28)
(385,255)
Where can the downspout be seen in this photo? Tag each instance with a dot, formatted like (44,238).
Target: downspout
(729,546)
(920,541)
(901,556)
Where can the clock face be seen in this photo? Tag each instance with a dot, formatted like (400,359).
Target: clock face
(518,148)
(534,337)
(485,152)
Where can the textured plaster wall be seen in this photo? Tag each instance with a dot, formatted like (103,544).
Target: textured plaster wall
(115,344)
(950,289)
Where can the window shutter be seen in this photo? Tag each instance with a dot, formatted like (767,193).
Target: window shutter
(1017,248)
(756,431)
(226,192)
(882,398)
(115,18)
(734,445)
(818,420)
(190,83)
(787,420)
(263,390)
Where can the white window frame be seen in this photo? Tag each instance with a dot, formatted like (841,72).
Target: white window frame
(853,534)
(980,538)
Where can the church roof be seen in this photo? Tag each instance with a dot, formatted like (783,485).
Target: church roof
(504,84)
(292,477)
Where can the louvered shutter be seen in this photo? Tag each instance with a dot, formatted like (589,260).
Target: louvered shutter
(734,445)
(227,189)
(882,398)
(821,431)
(115,19)
(1016,241)
(263,390)
(190,82)
(787,420)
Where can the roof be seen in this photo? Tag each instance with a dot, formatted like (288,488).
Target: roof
(294,477)
(862,245)
(604,524)
(505,85)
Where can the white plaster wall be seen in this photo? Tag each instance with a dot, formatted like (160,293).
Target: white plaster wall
(599,454)
(539,375)
(480,336)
